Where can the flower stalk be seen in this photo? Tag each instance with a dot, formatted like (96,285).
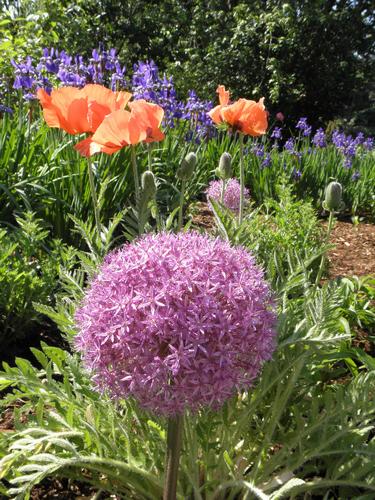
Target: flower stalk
(242,181)
(174,441)
(324,256)
(181,208)
(94,198)
(135,173)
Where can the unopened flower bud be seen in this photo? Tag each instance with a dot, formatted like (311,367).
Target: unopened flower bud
(224,170)
(148,185)
(186,169)
(333,197)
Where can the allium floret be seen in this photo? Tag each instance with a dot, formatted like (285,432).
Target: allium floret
(177,321)
(231,195)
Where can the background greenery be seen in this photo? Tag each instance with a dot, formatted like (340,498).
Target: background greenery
(308,57)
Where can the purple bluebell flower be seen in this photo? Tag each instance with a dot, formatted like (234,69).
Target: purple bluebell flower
(338,139)
(266,161)
(276,133)
(289,145)
(368,143)
(5,109)
(348,161)
(360,137)
(303,126)
(356,175)
(296,174)
(258,150)
(319,139)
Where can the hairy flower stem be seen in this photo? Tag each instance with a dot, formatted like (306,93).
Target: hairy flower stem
(182,197)
(324,256)
(242,181)
(135,173)
(94,198)
(149,156)
(224,185)
(174,441)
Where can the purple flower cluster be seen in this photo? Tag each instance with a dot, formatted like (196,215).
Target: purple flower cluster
(63,69)
(147,84)
(290,146)
(304,127)
(231,194)
(319,139)
(276,133)
(104,67)
(5,109)
(348,145)
(177,321)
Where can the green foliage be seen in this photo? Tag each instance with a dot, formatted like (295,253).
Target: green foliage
(294,432)
(304,428)
(283,233)
(28,272)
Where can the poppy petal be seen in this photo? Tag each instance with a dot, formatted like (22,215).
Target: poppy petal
(223,95)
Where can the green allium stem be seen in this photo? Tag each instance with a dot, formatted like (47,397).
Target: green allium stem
(242,181)
(174,441)
(182,197)
(94,198)
(324,256)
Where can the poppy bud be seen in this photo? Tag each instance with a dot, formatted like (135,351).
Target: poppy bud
(186,169)
(148,185)
(333,197)
(224,170)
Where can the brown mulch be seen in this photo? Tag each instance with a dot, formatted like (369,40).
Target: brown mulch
(202,216)
(354,252)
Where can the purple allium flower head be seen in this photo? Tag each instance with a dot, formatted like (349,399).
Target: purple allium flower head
(231,194)
(176,321)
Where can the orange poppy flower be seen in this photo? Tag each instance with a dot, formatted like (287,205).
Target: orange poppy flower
(215,113)
(123,128)
(150,117)
(80,110)
(247,117)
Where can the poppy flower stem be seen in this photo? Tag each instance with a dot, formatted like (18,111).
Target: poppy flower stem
(242,181)
(135,173)
(94,198)
(149,155)
(323,259)
(223,187)
(174,441)
(182,197)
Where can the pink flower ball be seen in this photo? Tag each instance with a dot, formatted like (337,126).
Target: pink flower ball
(176,321)
(231,195)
